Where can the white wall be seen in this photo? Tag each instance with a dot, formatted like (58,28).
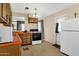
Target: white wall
(49,29)
(49,22)
(18,18)
(29,26)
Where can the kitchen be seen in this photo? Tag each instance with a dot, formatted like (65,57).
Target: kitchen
(31,30)
(22,28)
(16,33)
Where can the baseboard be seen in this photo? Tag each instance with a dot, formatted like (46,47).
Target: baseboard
(56,45)
(64,54)
(25,44)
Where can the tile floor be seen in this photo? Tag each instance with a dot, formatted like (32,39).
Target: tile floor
(43,49)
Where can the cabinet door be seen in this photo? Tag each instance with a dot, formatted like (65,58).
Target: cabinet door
(1,21)
(0,9)
(26,38)
(7,14)
(4,14)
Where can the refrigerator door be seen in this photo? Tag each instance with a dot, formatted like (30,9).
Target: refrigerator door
(70,25)
(69,42)
(6,34)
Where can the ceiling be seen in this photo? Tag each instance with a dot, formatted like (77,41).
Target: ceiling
(43,9)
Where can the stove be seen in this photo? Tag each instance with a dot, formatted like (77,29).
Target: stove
(36,36)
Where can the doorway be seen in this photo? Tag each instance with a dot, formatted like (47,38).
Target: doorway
(58,29)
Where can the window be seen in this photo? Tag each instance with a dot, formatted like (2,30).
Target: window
(20,25)
(39,26)
(23,27)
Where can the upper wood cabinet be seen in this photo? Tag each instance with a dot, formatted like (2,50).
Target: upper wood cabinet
(1,21)
(5,14)
(32,20)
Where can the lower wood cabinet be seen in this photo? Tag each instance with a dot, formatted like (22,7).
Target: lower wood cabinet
(13,50)
(26,38)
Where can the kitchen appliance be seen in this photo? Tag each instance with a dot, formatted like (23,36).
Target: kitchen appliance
(5,34)
(69,38)
(36,38)
(34,30)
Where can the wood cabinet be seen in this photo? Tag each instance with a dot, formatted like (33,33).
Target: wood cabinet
(5,14)
(26,38)
(12,50)
(1,21)
(32,20)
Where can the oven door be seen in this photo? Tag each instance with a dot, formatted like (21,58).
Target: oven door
(36,36)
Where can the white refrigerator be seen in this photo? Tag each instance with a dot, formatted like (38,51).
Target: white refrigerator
(5,34)
(69,37)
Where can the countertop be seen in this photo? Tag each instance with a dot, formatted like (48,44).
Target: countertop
(16,41)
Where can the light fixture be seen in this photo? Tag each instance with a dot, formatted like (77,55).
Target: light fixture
(32,18)
(27,8)
(35,13)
